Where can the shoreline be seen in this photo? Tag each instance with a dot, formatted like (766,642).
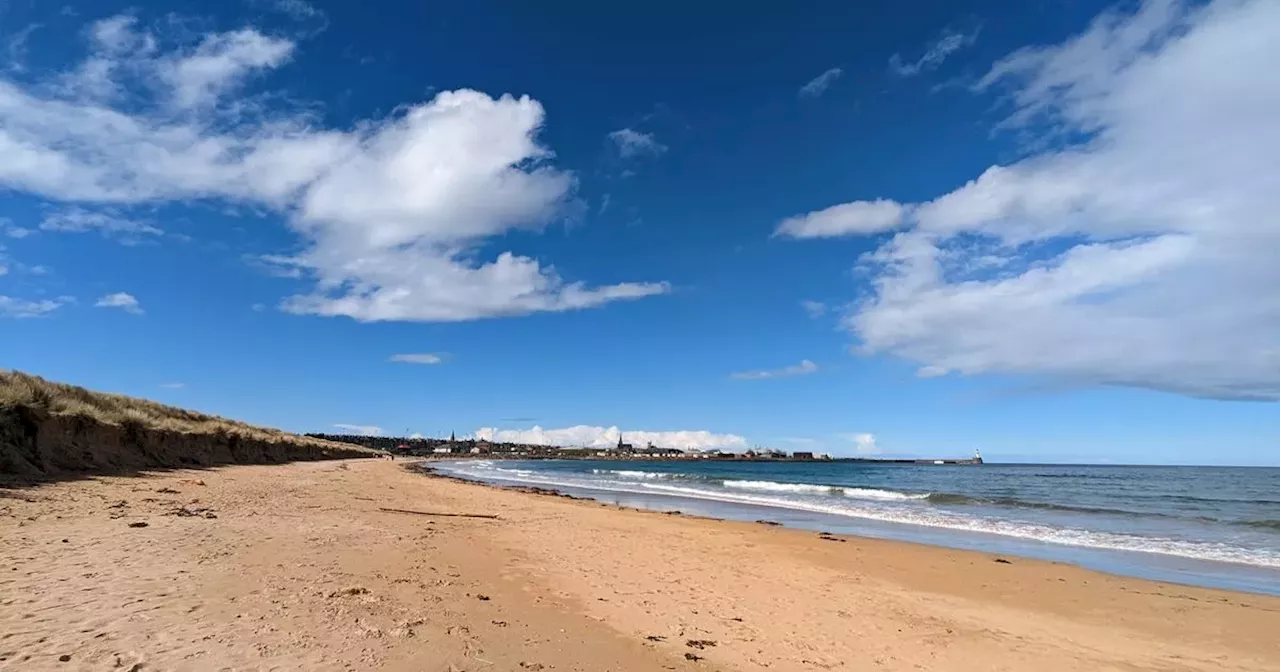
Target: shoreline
(318,566)
(1151,565)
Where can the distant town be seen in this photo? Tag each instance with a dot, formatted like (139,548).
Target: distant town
(454,447)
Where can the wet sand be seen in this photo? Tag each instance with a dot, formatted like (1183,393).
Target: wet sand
(297,567)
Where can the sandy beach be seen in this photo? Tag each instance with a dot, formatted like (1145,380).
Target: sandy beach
(298,567)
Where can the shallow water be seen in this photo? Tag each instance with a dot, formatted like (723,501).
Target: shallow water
(1210,526)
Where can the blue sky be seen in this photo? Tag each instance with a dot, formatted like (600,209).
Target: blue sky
(828,226)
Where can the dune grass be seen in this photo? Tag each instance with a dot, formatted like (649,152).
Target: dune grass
(21,390)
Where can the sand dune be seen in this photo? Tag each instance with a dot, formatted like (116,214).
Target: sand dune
(49,430)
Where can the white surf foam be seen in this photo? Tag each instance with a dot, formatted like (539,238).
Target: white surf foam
(811,489)
(629,473)
(892,510)
(883,495)
(771,486)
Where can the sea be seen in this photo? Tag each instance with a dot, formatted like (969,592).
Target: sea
(1208,526)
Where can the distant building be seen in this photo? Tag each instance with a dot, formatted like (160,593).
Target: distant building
(624,447)
(802,455)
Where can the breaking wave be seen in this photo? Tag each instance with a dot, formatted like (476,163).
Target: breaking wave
(888,506)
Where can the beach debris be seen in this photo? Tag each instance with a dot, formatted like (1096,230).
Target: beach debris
(140,523)
(692,656)
(532,666)
(192,481)
(353,590)
(441,515)
(64,658)
(167,491)
(1003,561)
(500,624)
(118,505)
(769,522)
(656,638)
(827,536)
(699,643)
(674,513)
(192,512)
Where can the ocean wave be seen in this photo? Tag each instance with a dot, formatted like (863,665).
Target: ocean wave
(1013,502)
(814,489)
(1264,524)
(884,495)
(630,473)
(771,486)
(889,512)
(1066,536)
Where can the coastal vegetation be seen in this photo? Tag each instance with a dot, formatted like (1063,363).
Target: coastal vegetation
(47,428)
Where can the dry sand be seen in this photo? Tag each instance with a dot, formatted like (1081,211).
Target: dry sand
(294,567)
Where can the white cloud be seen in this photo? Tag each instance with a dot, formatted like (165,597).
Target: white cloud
(863,443)
(362,430)
(631,143)
(803,368)
(1143,255)
(220,62)
(846,219)
(818,85)
(607,437)
(16,47)
(948,43)
(815,309)
(299,10)
(8,265)
(22,309)
(79,220)
(419,358)
(173,386)
(391,213)
(121,300)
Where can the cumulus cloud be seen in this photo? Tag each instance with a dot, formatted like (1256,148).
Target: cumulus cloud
(607,437)
(863,443)
(846,219)
(631,143)
(391,213)
(417,358)
(818,85)
(947,44)
(803,368)
(21,308)
(1140,248)
(362,430)
(121,300)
